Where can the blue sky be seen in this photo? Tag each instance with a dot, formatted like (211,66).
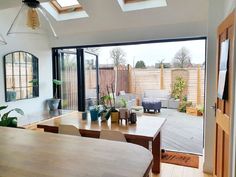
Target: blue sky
(152,53)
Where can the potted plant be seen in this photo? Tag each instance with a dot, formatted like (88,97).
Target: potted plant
(94,113)
(53,103)
(113,112)
(104,100)
(123,103)
(6,120)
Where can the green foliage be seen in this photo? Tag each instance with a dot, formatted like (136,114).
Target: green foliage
(179,87)
(34,82)
(57,82)
(104,99)
(183,105)
(8,121)
(200,108)
(123,103)
(140,64)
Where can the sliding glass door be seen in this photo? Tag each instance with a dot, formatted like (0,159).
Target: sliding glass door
(68,76)
(91,79)
(78,71)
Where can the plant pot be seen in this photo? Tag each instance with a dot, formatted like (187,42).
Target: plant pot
(114,117)
(103,116)
(94,114)
(53,103)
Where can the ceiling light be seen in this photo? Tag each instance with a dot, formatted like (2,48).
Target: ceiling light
(31,19)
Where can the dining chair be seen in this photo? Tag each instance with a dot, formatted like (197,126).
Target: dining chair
(68,130)
(112,135)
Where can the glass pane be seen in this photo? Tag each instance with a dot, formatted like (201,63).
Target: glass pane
(18,96)
(9,82)
(16,69)
(90,80)
(9,69)
(11,95)
(68,67)
(16,81)
(23,81)
(23,70)
(16,58)
(8,58)
(22,57)
(29,80)
(23,93)
(29,69)
(30,92)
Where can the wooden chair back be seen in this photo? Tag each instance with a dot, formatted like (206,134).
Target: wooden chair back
(112,135)
(68,130)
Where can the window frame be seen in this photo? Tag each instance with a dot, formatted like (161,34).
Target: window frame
(68,9)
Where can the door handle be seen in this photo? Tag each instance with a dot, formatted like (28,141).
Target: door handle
(214,108)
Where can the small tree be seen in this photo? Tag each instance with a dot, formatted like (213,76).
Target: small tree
(140,64)
(118,56)
(182,58)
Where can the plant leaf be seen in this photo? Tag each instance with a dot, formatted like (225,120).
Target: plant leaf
(3,107)
(19,111)
(57,82)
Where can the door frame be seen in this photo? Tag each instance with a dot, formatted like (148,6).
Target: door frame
(80,73)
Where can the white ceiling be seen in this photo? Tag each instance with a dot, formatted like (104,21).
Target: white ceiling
(106,16)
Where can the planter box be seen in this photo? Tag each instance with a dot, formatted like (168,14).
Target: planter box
(193,111)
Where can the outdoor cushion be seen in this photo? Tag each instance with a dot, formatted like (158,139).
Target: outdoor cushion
(161,95)
(151,104)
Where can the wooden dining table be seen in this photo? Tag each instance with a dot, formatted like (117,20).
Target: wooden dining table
(27,153)
(146,130)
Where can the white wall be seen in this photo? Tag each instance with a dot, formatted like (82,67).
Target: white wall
(35,45)
(218,10)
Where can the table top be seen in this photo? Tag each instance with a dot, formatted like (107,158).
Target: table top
(146,126)
(26,153)
(40,116)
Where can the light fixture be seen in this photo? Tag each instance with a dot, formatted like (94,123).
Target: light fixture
(2,40)
(31,19)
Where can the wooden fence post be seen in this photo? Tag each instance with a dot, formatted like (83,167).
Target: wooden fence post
(161,78)
(130,79)
(199,85)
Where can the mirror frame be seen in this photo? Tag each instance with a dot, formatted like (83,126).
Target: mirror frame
(35,75)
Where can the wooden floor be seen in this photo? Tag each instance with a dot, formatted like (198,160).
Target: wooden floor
(181,132)
(169,170)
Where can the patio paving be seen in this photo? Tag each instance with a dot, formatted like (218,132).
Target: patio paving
(182,132)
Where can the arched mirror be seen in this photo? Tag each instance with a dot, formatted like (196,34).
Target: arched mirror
(21,76)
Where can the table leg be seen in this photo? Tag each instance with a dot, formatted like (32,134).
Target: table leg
(156,152)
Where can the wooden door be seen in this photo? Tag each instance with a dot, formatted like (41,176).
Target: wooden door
(224,107)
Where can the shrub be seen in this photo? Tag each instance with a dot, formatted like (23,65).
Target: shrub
(179,87)
(183,105)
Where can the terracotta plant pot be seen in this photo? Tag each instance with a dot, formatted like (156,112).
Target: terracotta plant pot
(114,117)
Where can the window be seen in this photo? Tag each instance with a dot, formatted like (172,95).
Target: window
(66,6)
(131,5)
(132,1)
(67,3)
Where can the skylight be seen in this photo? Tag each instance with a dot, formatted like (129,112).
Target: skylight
(67,3)
(131,5)
(65,9)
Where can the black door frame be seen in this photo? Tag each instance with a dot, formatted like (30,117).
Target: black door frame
(81,47)
(56,53)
